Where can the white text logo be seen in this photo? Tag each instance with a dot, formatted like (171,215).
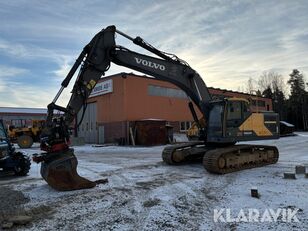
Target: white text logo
(255,215)
(150,64)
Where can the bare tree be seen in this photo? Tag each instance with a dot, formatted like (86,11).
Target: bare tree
(264,81)
(272,80)
(241,89)
(250,87)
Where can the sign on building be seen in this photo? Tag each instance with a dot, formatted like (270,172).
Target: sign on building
(102,88)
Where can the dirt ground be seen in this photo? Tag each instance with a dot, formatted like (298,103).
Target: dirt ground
(143,193)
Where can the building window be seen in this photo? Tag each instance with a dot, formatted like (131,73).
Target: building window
(185,125)
(20,123)
(182,126)
(261,103)
(166,92)
(219,97)
(188,125)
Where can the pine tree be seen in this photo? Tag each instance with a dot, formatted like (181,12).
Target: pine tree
(273,86)
(297,99)
(279,103)
(297,83)
(268,93)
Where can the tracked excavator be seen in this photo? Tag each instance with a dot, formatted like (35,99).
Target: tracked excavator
(227,121)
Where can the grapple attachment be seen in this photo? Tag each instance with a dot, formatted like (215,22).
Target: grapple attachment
(60,172)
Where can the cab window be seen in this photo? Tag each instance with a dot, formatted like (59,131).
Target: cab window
(234,110)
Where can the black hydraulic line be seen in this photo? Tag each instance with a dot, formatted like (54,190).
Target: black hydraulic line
(140,42)
(71,73)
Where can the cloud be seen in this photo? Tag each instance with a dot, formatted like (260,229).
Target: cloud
(15,50)
(6,71)
(225,41)
(16,95)
(65,65)
(31,52)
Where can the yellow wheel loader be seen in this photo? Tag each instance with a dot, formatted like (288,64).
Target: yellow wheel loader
(24,136)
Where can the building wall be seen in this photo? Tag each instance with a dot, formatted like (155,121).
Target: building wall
(111,106)
(140,105)
(130,100)
(256,103)
(88,126)
(115,131)
(25,119)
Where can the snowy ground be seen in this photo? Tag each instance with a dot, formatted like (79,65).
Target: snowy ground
(145,194)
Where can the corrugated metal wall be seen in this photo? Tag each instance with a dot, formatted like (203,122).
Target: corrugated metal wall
(88,128)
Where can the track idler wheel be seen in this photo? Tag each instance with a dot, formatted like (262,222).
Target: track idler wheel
(60,172)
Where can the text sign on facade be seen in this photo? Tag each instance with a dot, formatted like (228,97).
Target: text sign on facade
(102,88)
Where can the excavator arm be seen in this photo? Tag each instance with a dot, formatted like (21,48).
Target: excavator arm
(59,163)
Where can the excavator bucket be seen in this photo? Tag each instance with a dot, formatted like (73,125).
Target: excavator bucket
(60,173)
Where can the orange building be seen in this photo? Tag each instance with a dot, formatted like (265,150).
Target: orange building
(118,101)
(257,103)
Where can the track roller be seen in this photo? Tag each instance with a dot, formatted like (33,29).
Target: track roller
(239,157)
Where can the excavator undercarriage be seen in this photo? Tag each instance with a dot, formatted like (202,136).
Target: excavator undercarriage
(221,160)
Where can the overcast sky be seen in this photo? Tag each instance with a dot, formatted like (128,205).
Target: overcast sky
(225,41)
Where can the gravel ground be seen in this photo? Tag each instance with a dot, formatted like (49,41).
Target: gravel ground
(145,194)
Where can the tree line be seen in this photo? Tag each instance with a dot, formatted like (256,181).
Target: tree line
(292,105)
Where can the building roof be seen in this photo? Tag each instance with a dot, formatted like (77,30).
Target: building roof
(238,92)
(125,74)
(23,110)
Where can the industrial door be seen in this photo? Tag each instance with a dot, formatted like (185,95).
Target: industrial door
(88,128)
(101,134)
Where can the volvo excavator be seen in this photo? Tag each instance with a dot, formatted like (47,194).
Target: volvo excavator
(227,121)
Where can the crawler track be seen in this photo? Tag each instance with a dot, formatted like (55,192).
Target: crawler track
(239,157)
(177,154)
(222,160)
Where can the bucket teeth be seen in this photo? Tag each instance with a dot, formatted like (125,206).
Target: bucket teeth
(61,173)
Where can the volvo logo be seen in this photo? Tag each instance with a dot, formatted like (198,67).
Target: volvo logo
(150,64)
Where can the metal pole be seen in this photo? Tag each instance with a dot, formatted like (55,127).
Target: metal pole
(58,94)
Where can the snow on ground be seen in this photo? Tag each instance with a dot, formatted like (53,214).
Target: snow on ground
(145,194)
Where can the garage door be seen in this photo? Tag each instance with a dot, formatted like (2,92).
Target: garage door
(87,128)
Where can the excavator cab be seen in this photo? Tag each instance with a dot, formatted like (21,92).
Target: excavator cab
(230,120)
